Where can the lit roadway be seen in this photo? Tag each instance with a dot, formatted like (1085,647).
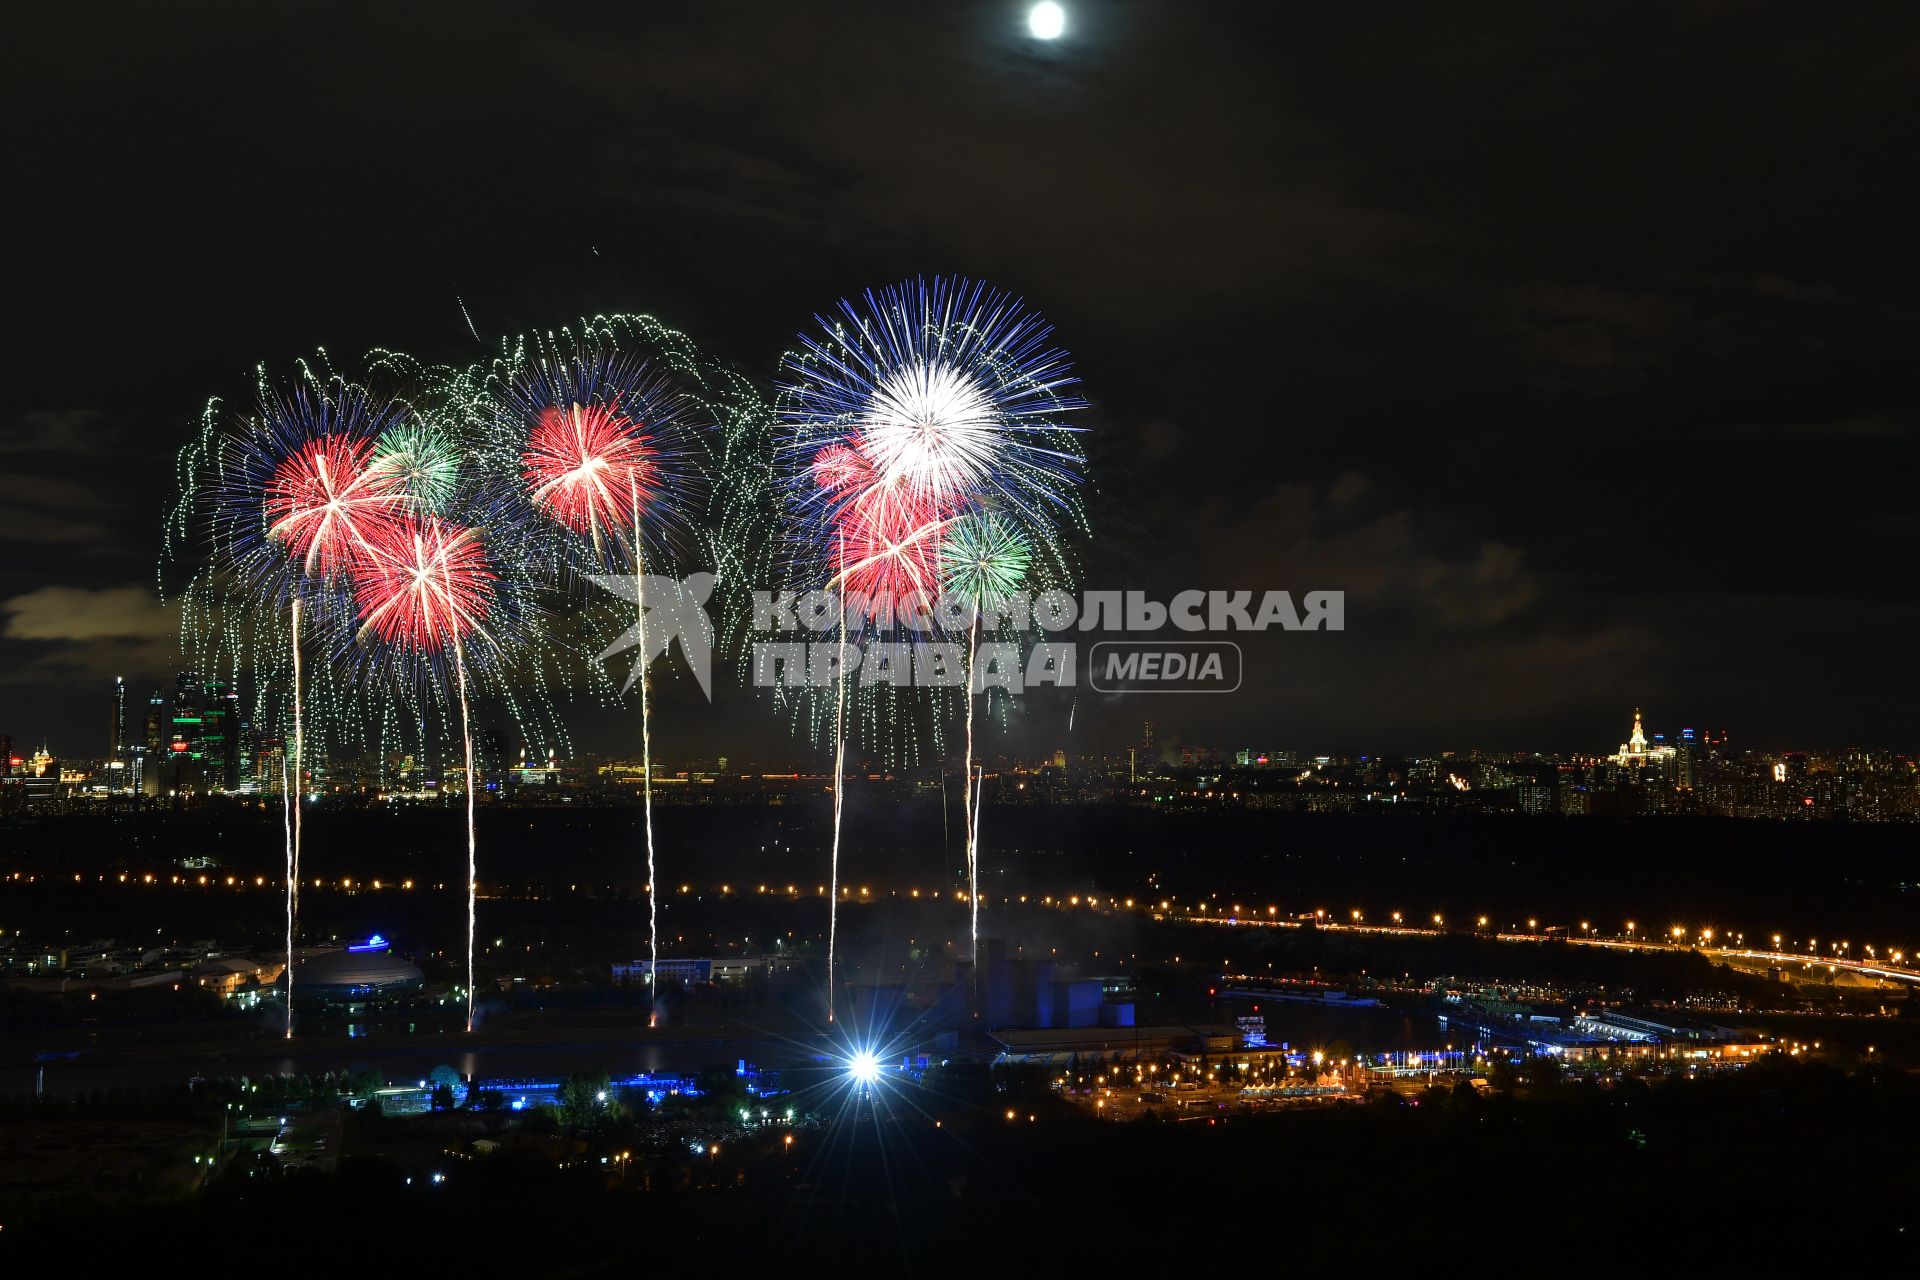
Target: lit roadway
(1893,968)
(1872,968)
(1727,955)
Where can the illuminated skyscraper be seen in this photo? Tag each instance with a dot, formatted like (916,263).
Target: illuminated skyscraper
(120,769)
(117,735)
(1688,758)
(1635,753)
(155,742)
(183,747)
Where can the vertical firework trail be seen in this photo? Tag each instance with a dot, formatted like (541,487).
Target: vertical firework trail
(839,789)
(473,863)
(290,794)
(646,762)
(290,493)
(607,432)
(979,789)
(973,851)
(424,587)
(983,561)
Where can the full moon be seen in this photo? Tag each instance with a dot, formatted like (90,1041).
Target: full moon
(1046,20)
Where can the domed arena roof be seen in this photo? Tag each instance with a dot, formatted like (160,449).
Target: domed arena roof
(356,973)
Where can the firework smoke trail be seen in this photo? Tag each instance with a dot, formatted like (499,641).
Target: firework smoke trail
(979,791)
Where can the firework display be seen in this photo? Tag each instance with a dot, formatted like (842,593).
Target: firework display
(925,453)
(371,555)
(318,506)
(427,599)
(389,548)
(291,497)
(604,467)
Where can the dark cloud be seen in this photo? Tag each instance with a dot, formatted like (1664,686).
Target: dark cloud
(77,633)
(77,433)
(55,509)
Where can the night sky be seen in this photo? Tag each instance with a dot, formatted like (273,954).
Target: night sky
(1574,342)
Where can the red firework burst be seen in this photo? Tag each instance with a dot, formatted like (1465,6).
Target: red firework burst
(324,502)
(591,466)
(423,584)
(886,547)
(840,468)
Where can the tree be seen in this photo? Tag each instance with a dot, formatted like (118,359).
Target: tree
(721,1088)
(586,1097)
(442,1096)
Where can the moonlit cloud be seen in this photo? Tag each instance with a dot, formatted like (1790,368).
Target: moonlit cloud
(89,633)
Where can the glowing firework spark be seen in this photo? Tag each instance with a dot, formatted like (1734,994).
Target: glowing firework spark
(863,1067)
(887,551)
(932,427)
(282,505)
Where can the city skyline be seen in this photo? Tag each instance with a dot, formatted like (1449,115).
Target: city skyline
(198,742)
(777,743)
